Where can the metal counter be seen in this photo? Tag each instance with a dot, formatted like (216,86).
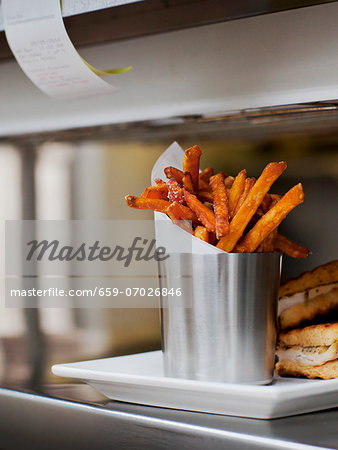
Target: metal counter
(74,416)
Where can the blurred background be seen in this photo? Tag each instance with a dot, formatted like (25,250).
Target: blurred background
(86,174)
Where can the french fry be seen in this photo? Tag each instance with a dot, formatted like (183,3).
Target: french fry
(147,203)
(157,191)
(268,205)
(221,209)
(179,212)
(271,219)
(172,172)
(266,202)
(203,213)
(187,226)
(205,196)
(236,192)
(204,179)
(238,224)
(191,164)
(204,186)
(248,185)
(175,191)
(202,233)
(290,248)
(175,214)
(275,198)
(212,238)
(264,207)
(206,174)
(229,181)
(187,183)
(268,244)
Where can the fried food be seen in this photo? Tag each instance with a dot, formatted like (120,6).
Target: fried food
(160,190)
(172,172)
(236,192)
(204,186)
(187,183)
(205,196)
(310,297)
(177,211)
(205,175)
(203,213)
(321,275)
(220,200)
(268,244)
(311,352)
(290,248)
(222,208)
(175,191)
(238,224)
(248,185)
(202,233)
(154,204)
(191,164)
(271,219)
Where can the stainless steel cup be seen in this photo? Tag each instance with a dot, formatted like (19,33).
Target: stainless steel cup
(223,326)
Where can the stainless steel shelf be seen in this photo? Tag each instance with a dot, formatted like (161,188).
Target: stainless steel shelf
(74,416)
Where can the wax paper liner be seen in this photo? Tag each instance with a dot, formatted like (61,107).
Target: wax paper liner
(170,235)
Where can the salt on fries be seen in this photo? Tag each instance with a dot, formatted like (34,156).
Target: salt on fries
(237,214)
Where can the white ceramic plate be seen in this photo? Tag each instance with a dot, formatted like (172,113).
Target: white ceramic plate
(139,379)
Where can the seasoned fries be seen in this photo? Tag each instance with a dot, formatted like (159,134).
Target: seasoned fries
(175,191)
(158,191)
(220,198)
(205,196)
(283,244)
(271,219)
(191,164)
(236,214)
(236,192)
(172,172)
(204,185)
(203,213)
(202,233)
(205,175)
(179,212)
(147,203)
(248,185)
(268,244)
(187,183)
(237,226)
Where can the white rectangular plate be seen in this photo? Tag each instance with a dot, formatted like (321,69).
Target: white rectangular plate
(139,379)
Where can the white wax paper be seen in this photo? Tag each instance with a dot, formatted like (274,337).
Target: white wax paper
(174,238)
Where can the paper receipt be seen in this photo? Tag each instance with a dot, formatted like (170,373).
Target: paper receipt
(39,41)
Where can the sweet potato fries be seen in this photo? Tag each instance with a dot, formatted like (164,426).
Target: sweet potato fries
(237,214)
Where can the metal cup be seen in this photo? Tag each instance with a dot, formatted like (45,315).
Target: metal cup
(223,326)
